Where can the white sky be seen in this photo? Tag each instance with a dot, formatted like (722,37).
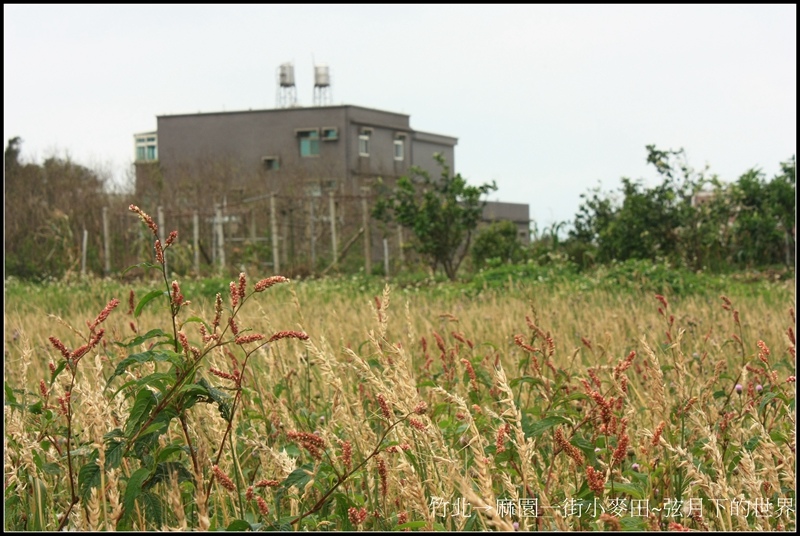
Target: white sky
(549,101)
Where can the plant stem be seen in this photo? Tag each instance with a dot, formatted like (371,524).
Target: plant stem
(342,479)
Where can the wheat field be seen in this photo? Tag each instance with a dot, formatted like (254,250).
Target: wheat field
(327,406)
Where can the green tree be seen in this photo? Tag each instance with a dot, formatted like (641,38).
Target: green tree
(763,231)
(748,223)
(782,191)
(497,242)
(442,214)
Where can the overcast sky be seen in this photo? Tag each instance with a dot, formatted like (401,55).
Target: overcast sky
(549,101)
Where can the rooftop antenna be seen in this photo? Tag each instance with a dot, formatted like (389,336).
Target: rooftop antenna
(322,85)
(287,91)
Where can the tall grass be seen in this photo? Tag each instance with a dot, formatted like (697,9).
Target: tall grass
(521,406)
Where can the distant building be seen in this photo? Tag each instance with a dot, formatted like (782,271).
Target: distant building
(293,150)
(518,213)
(702,197)
(340,148)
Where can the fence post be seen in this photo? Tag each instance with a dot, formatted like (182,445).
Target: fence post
(386,257)
(290,256)
(273,218)
(220,236)
(332,203)
(367,234)
(253,225)
(196,241)
(312,231)
(106,243)
(400,245)
(83,251)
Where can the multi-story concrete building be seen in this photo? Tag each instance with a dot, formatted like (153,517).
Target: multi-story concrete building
(340,148)
(295,149)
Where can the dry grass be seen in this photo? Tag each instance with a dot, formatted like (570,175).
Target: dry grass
(464,417)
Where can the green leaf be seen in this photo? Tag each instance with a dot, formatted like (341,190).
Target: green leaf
(114,450)
(40,505)
(778,438)
(52,469)
(238,525)
(61,366)
(145,401)
(628,489)
(194,389)
(769,397)
(752,443)
(537,428)
(147,299)
(140,265)
(524,379)
(154,428)
(153,507)
(163,473)
(10,398)
(144,357)
(116,433)
(194,320)
(220,397)
(633,524)
(190,394)
(139,339)
(89,476)
(299,477)
(411,525)
(162,381)
(169,450)
(134,489)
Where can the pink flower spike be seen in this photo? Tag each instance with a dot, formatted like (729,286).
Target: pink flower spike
(145,218)
(264,284)
(288,335)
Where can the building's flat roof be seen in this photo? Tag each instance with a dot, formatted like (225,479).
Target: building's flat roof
(418,134)
(291,109)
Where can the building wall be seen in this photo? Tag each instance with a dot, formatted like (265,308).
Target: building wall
(197,144)
(243,139)
(515,212)
(423,147)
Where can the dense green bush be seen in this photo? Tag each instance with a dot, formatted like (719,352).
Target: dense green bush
(497,244)
(743,225)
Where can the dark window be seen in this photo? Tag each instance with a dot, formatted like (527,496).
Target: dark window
(271,163)
(309,142)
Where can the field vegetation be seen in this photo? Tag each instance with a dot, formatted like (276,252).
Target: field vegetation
(630,397)
(635,371)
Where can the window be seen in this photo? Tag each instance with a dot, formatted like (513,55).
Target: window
(363,141)
(363,145)
(146,148)
(271,163)
(309,142)
(330,134)
(399,149)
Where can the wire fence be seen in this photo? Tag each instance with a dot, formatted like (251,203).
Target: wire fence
(291,235)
